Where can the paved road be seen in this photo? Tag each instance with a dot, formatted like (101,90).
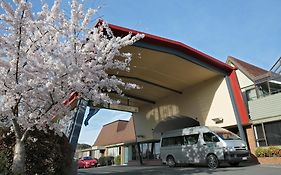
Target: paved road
(163,170)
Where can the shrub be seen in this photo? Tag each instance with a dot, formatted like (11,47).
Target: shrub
(6,151)
(271,151)
(274,151)
(117,160)
(101,161)
(49,155)
(260,152)
(108,160)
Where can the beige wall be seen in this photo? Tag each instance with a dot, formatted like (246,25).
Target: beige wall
(204,101)
(244,81)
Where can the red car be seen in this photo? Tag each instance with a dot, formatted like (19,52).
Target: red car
(87,162)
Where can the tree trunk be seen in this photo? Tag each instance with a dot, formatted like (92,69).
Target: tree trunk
(18,166)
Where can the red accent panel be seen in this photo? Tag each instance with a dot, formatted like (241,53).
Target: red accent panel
(70,102)
(71,99)
(121,31)
(243,113)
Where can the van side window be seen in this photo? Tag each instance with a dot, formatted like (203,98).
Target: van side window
(172,141)
(191,139)
(210,137)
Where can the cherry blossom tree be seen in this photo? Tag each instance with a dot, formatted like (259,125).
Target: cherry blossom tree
(46,55)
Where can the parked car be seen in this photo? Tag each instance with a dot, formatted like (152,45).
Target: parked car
(87,162)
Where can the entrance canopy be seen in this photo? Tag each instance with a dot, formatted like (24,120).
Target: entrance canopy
(175,122)
(162,67)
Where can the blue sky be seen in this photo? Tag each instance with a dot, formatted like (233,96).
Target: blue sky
(90,132)
(246,29)
(249,30)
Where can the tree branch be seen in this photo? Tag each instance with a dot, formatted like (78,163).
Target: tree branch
(6,85)
(33,42)
(15,109)
(49,108)
(19,45)
(52,99)
(74,45)
(51,105)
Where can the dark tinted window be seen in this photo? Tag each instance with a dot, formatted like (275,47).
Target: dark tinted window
(228,135)
(259,131)
(170,141)
(260,135)
(191,139)
(87,158)
(273,133)
(210,137)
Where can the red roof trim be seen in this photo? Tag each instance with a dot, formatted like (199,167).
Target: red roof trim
(117,30)
(238,99)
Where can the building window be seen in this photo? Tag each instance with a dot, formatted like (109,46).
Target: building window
(260,137)
(134,152)
(156,150)
(148,151)
(273,133)
(268,134)
(114,151)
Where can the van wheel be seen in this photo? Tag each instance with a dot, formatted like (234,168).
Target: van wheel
(171,161)
(235,164)
(212,161)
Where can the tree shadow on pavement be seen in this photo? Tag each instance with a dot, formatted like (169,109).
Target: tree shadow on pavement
(156,170)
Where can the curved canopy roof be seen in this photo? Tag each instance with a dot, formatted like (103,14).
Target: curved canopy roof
(156,40)
(161,67)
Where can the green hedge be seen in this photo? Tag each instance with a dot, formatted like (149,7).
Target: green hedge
(271,151)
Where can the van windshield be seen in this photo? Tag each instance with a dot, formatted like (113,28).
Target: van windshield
(228,136)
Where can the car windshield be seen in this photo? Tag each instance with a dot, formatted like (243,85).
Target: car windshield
(228,136)
(87,158)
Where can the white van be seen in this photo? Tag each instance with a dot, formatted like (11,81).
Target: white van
(202,144)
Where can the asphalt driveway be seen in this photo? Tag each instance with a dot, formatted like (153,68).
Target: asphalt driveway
(163,170)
